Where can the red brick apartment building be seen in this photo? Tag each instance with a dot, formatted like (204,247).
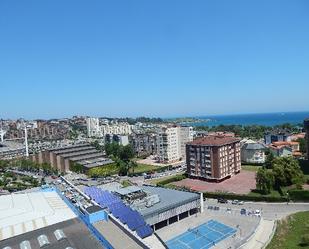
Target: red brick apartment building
(213,158)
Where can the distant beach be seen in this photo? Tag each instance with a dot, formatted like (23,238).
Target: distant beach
(266,119)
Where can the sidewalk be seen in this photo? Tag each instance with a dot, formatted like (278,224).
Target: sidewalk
(262,236)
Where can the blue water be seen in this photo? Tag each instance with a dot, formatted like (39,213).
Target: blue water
(267,119)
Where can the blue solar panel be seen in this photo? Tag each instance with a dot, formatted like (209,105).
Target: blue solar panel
(144,231)
(125,214)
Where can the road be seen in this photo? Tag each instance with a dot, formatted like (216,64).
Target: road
(270,211)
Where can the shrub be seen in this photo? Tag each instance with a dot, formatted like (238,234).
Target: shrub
(304,241)
(299,195)
(172,179)
(230,196)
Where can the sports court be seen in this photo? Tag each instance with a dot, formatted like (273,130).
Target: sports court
(202,237)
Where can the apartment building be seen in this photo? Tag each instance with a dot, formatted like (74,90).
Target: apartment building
(171,143)
(143,144)
(94,129)
(280,136)
(213,158)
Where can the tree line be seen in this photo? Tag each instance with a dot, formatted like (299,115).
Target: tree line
(278,172)
(252,131)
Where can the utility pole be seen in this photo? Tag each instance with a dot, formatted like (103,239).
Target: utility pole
(26,141)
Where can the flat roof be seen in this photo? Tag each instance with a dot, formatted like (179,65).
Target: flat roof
(68,148)
(95,154)
(79,153)
(6,146)
(93,209)
(97,164)
(214,140)
(128,190)
(76,233)
(169,198)
(21,213)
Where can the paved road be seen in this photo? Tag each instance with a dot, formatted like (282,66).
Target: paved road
(270,211)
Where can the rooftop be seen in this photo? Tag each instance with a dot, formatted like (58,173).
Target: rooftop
(254,146)
(76,236)
(214,140)
(10,145)
(128,190)
(21,213)
(279,143)
(93,209)
(169,198)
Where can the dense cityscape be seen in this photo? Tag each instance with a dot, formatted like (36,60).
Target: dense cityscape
(166,124)
(148,181)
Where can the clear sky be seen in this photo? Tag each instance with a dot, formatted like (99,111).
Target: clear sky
(60,58)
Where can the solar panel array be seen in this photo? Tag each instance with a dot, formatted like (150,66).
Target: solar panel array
(125,214)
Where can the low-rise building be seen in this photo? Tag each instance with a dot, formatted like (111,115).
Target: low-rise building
(143,144)
(213,158)
(281,150)
(11,149)
(64,158)
(285,148)
(280,136)
(252,152)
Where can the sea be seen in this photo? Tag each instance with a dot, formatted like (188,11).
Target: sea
(266,119)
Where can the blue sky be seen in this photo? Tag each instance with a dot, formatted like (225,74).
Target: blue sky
(155,58)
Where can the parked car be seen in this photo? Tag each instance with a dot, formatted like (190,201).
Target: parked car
(221,200)
(216,208)
(237,202)
(243,211)
(210,207)
(257,213)
(229,210)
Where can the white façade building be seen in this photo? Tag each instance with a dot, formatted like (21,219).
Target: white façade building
(94,129)
(252,152)
(171,143)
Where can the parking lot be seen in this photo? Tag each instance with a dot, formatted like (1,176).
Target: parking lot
(241,183)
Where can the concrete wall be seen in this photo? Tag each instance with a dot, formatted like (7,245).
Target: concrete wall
(97,216)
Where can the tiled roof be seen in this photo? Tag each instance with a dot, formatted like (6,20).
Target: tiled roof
(214,140)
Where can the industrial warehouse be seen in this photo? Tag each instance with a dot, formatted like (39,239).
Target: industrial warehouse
(82,154)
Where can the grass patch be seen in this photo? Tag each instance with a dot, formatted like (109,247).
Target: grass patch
(170,180)
(291,232)
(126,183)
(106,170)
(143,168)
(254,168)
(158,180)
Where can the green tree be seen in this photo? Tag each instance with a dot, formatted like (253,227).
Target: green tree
(264,180)
(112,149)
(126,153)
(302,145)
(269,159)
(76,167)
(286,171)
(132,165)
(97,145)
